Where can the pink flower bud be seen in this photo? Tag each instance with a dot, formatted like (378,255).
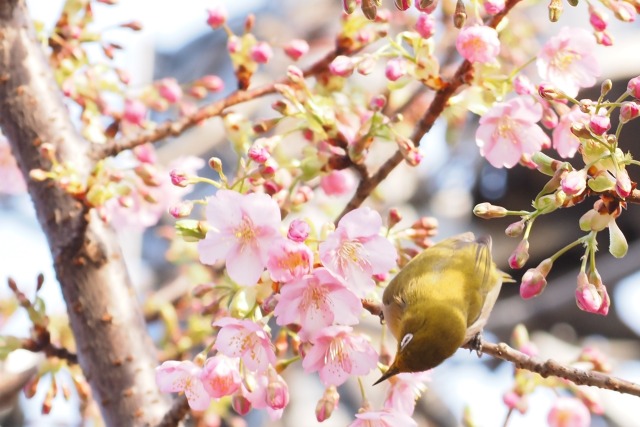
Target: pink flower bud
(396,68)
(277,391)
(623,184)
(623,10)
(488,211)
(548,91)
(633,87)
(170,90)
(378,102)
(533,283)
(134,112)
(520,255)
(296,48)
(258,153)
(261,52)
(604,38)
(574,182)
(493,7)
(295,74)
(403,4)
(179,178)
(549,118)
(629,111)
(597,18)
(569,411)
(212,83)
(327,404)
(337,183)
(515,229)
(240,404)
(217,16)
(426,25)
(234,44)
(366,65)
(599,125)
(342,66)
(181,210)
(298,230)
(523,86)
(589,297)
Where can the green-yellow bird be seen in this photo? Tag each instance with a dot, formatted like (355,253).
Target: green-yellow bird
(440,300)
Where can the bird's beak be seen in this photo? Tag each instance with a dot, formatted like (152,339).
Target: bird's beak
(390,372)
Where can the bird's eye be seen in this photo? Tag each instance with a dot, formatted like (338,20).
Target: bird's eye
(405,340)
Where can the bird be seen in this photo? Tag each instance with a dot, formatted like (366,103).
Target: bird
(440,301)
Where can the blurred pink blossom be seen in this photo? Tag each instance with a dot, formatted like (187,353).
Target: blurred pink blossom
(356,251)
(395,69)
(404,389)
(509,130)
(478,43)
(11,179)
(170,89)
(134,112)
(266,390)
(261,52)
(426,25)
(383,418)
(568,60)
(296,48)
(569,412)
(217,16)
(243,228)
(338,182)
(298,230)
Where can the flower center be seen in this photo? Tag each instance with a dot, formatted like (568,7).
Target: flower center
(245,232)
(350,251)
(563,60)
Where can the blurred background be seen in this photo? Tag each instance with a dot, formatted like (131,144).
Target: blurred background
(452,178)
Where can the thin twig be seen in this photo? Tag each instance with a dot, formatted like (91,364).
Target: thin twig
(179,410)
(177,127)
(544,368)
(42,343)
(434,111)
(550,367)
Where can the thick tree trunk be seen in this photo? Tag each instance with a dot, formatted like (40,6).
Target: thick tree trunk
(113,347)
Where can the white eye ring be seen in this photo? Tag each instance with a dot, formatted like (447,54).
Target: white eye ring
(405,340)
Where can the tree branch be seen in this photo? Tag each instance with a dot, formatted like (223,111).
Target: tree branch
(437,106)
(114,350)
(178,411)
(175,128)
(550,367)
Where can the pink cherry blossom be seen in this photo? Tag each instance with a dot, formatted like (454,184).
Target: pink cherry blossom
(569,412)
(11,180)
(568,60)
(247,340)
(509,130)
(338,183)
(599,125)
(289,260)
(316,301)
(478,43)
(337,354)
(493,7)
(243,228)
(564,141)
(523,86)
(383,418)
(404,389)
(355,251)
(220,376)
(183,377)
(342,66)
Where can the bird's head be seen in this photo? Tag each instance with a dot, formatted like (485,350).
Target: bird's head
(426,341)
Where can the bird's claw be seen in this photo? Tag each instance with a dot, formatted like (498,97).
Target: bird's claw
(475,343)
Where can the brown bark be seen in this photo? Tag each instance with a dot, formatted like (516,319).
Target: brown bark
(113,348)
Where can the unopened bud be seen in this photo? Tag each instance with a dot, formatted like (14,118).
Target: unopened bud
(624,187)
(520,255)
(488,211)
(555,10)
(327,404)
(515,229)
(403,4)
(599,125)
(533,283)
(349,6)
(546,165)
(181,210)
(240,404)
(573,3)
(460,15)
(394,217)
(629,111)
(216,164)
(369,9)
